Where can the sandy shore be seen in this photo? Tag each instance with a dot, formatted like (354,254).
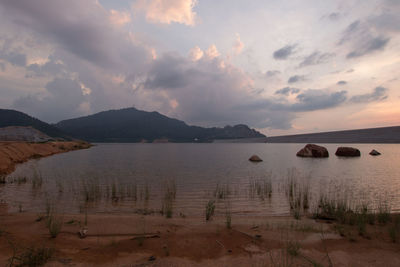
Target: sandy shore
(12,153)
(153,240)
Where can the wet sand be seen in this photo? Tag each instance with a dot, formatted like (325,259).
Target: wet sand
(153,240)
(12,153)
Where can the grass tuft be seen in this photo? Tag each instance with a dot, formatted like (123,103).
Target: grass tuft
(210,208)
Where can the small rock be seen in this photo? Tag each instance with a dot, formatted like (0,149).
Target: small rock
(255,158)
(83,232)
(374,153)
(313,151)
(152,258)
(347,152)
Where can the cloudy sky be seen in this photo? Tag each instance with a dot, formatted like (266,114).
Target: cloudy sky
(280,66)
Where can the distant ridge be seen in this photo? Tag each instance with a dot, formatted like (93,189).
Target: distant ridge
(388,135)
(133,125)
(9,117)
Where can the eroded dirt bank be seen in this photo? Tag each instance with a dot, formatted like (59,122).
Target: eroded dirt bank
(12,153)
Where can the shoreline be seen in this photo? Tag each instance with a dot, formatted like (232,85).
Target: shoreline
(153,240)
(13,153)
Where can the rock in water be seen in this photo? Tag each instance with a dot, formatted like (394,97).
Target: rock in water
(255,158)
(374,153)
(347,152)
(313,151)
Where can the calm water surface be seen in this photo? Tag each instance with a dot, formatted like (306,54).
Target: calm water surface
(137,174)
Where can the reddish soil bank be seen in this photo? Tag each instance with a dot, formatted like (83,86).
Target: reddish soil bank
(12,153)
(137,240)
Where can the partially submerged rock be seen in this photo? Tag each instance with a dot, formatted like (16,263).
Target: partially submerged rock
(313,151)
(255,158)
(374,153)
(347,152)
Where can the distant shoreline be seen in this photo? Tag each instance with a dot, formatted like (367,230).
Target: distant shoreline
(12,153)
(383,135)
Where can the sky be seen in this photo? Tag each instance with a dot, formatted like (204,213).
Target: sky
(280,66)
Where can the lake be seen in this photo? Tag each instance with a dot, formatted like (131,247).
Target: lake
(124,178)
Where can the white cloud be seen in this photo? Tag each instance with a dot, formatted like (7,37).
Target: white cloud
(119,18)
(238,45)
(168,11)
(196,53)
(212,52)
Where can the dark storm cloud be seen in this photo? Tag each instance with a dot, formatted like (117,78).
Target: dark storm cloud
(313,99)
(86,48)
(371,35)
(80,27)
(378,94)
(316,58)
(64,100)
(284,52)
(388,20)
(287,90)
(334,16)
(350,31)
(170,73)
(375,44)
(14,58)
(271,73)
(210,95)
(51,67)
(296,78)
(206,93)
(281,113)
(341,83)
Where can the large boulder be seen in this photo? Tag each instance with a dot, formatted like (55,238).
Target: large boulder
(255,158)
(313,151)
(374,153)
(347,152)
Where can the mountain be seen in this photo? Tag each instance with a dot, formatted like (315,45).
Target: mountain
(9,117)
(132,125)
(389,135)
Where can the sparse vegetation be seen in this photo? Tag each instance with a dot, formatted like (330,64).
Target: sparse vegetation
(228,216)
(297,192)
(210,207)
(54,224)
(394,229)
(32,257)
(383,215)
(293,248)
(222,192)
(37,179)
(261,187)
(91,190)
(167,205)
(54,221)
(169,197)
